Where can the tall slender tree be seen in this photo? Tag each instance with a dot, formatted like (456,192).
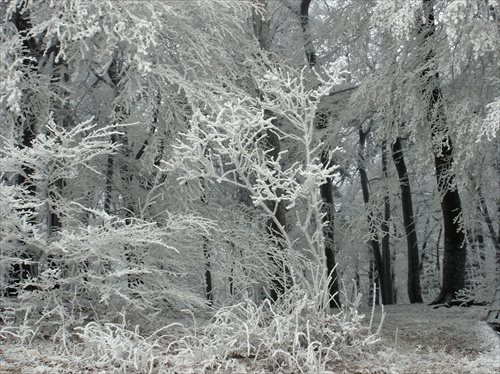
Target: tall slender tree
(454,259)
(276,224)
(32,51)
(383,275)
(326,189)
(413,285)
(386,245)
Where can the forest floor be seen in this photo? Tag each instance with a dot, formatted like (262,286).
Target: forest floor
(419,339)
(414,339)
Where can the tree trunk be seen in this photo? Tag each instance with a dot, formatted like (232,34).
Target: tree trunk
(414,290)
(59,79)
(206,252)
(386,248)
(282,279)
(454,256)
(495,237)
(374,237)
(208,273)
(326,189)
(304,22)
(438,254)
(110,169)
(27,266)
(374,279)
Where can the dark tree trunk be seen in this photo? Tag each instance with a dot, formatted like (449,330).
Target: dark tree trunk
(495,237)
(231,270)
(304,22)
(476,260)
(282,279)
(438,253)
(208,273)
(373,278)
(386,248)
(379,265)
(110,170)
(119,176)
(414,290)
(206,252)
(454,256)
(31,51)
(326,189)
(276,225)
(59,79)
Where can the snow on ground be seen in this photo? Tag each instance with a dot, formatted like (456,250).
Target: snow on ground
(414,339)
(419,339)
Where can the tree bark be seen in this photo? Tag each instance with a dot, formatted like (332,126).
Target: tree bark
(386,248)
(59,79)
(454,256)
(31,51)
(379,265)
(282,279)
(414,290)
(304,22)
(326,189)
(208,273)
(495,237)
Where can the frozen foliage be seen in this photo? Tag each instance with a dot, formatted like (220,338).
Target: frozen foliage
(413,339)
(293,335)
(471,24)
(96,264)
(96,228)
(60,153)
(114,345)
(395,17)
(491,124)
(231,147)
(197,138)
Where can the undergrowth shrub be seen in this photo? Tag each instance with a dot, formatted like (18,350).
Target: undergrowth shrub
(294,335)
(297,334)
(114,345)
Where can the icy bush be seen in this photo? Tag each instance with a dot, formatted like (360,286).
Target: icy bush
(22,332)
(293,335)
(113,345)
(479,294)
(92,264)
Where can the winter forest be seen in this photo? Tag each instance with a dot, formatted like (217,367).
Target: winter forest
(195,186)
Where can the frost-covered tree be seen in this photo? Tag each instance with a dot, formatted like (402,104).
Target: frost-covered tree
(427,62)
(326,189)
(229,146)
(161,157)
(386,62)
(73,71)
